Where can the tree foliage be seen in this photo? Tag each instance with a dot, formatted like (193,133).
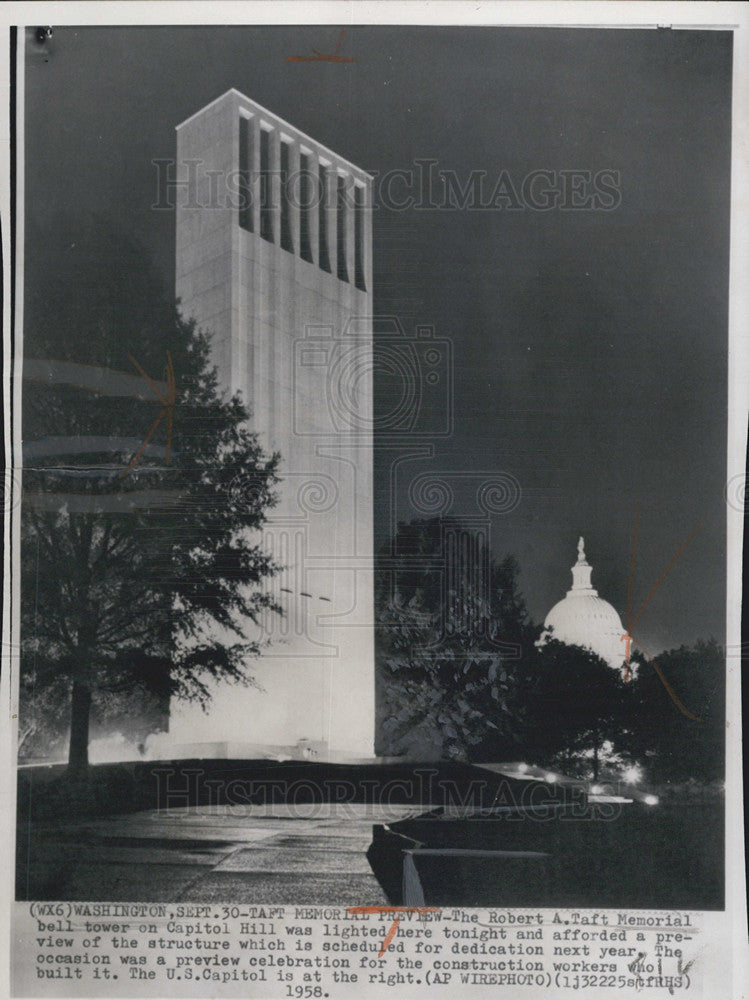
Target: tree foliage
(149,574)
(673,746)
(571,703)
(449,619)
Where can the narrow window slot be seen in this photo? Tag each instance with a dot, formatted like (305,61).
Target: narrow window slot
(341,228)
(359,279)
(266,189)
(305,208)
(323,217)
(287,241)
(245,173)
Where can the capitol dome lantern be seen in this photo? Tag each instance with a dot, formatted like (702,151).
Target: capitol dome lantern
(583,618)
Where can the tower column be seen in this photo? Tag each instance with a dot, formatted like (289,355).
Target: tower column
(280,320)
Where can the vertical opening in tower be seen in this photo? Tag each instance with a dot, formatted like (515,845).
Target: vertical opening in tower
(287,241)
(305,208)
(341,227)
(323,217)
(359,279)
(266,190)
(245,173)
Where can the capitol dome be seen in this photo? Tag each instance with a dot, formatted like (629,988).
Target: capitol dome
(585,619)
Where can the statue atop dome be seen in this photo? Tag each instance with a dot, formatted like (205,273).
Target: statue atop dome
(581,572)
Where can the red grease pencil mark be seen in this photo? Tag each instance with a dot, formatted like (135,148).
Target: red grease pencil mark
(671,693)
(324,56)
(393,909)
(394,926)
(668,569)
(627,649)
(388,938)
(168,402)
(628,638)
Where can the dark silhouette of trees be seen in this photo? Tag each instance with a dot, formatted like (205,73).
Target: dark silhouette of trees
(141,568)
(570,703)
(672,746)
(449,621)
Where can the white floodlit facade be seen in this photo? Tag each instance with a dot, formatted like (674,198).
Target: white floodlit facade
(274,261)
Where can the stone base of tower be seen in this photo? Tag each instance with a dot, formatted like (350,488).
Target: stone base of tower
(297,709)
(163,749)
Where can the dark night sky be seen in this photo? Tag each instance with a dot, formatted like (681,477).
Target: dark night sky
(590,347)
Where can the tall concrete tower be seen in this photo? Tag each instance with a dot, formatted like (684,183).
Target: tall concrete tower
(274,261)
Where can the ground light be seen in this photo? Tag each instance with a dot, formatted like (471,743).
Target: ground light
(632,775)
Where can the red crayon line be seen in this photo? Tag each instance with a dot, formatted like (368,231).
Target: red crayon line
(149,379)
(627,637)
(666,571)
(168,410)
(324,56)
(389,937)
(671,693)
(393,909)
(632,567)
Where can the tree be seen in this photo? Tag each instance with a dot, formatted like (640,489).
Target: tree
(672,745)
(40,726)
(141,567)
(572,703)
(449,620)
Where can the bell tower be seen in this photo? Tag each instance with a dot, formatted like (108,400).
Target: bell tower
(274,262)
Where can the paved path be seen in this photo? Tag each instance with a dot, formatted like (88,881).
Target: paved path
(308,854)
